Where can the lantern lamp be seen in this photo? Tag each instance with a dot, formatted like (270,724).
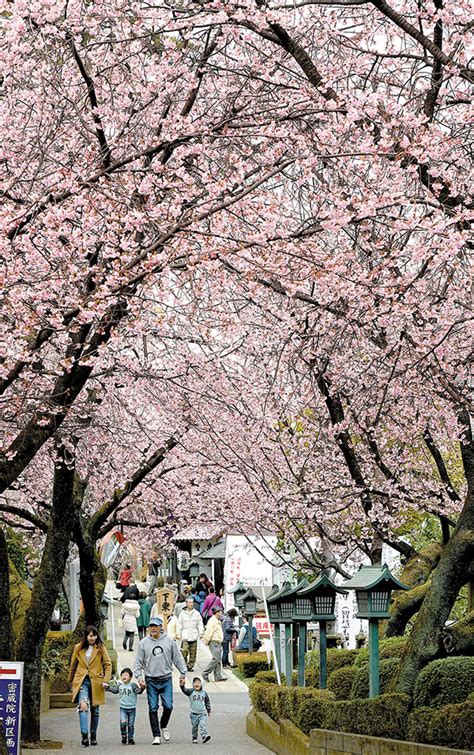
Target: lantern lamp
(238,591)
(373,586)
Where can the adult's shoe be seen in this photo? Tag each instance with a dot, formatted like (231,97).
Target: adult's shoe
(156,741)
(93,739)
(221,679)
(205,677)
(165,733)
(85,740)
(206,739)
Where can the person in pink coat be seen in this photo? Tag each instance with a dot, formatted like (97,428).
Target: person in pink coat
(211,601)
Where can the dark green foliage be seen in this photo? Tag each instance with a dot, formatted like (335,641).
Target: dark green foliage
(249,665)
(449,726)
(268,677)
(56,654)
(388,670)
(443,682)
(389,647)
(311,708)
(340,681)
(384,716)
(336,659)
(306,708)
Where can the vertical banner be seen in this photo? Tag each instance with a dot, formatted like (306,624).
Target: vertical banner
(11,690)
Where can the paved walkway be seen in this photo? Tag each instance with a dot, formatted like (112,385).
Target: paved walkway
(229,701)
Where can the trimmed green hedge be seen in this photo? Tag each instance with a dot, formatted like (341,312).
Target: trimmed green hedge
(306,708)
(335,659)
(249,665)
(450,726)
(444,682)
(383,716)
(388,671)
(341,681)
(389,647)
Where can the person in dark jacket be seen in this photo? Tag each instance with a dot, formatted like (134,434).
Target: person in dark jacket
(230,632)
(130,593)
(243,640)
(144,618)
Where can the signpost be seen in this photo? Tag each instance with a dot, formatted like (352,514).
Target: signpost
(165,604)
(11,690)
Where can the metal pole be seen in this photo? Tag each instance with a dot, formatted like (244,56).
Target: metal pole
(323,656)
(374,679)
(275,641)
(250,618)
(288,655)
(301,653)
(112,620)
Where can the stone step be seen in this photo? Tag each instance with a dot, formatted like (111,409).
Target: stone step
(61,700)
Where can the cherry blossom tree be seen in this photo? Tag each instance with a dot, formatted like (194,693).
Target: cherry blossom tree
(272,198)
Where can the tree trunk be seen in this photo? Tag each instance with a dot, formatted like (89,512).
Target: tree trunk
(45,591)
(3,742)
(92,578)
(6,628)
(416,575)
(453,571)
(458,639)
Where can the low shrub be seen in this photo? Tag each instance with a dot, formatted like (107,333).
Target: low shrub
(268,677)
(311,708)
(336,659)
(306,708)
(55,657)
(449,726)
(383,716)
(388,671)
(444,682)
(389,647)
(341,680)
(249,665)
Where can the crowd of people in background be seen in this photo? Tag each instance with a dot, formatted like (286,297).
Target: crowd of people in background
(198,615)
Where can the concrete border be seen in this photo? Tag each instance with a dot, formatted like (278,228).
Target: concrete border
(284,738)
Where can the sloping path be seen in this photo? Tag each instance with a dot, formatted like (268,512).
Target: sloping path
(229,701)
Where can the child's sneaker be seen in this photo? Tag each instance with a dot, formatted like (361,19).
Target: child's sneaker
(124,740)
(195,742)
(206,739)
(131,741)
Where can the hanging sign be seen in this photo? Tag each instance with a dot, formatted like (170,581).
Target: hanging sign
(11,690)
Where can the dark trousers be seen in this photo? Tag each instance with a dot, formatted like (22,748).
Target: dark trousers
(159,688)
(127,722)
(128,640)
(225,652)
(142,632)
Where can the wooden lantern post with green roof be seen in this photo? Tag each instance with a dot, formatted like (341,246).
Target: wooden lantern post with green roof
(316,602)
(373,586)
(280,611)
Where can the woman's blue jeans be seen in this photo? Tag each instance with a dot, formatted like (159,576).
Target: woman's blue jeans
(85,693)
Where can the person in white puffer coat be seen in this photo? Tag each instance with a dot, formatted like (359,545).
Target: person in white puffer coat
(189,629)
(130,614)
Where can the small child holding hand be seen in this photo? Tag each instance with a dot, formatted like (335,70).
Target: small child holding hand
(128,692)
(200,709)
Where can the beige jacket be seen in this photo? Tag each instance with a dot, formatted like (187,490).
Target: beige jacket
(213,631)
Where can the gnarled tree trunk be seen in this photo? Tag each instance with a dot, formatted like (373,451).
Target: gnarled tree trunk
(416,575)
(453,571)
(6,628)
(45,592)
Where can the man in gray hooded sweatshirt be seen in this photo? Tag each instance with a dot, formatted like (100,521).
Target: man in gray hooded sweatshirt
(153,668)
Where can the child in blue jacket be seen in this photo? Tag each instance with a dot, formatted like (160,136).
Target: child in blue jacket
(200,709)
(128,692)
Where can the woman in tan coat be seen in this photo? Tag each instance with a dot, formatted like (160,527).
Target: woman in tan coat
(90,670)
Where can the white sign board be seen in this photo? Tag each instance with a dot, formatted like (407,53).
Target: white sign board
(247,560)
